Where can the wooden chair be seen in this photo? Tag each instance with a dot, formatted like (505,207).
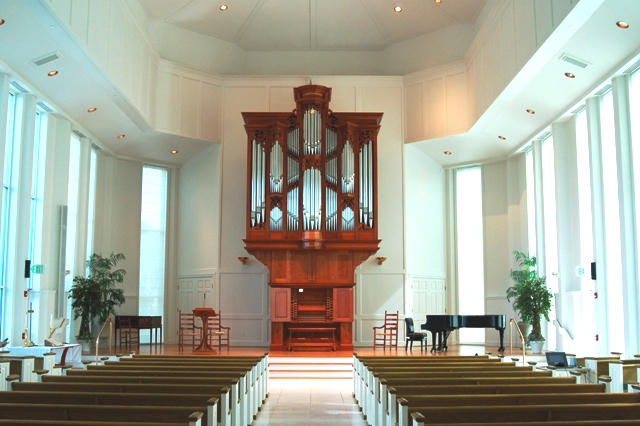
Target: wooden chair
(411,335)
(387,332)
(128,335)
(188,332)
(218,331)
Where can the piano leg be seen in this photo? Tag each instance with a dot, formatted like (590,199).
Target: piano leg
(445,337)
(501,348)
(433,340)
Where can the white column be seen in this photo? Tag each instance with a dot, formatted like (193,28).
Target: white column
(536,147)
(626,199)
(599,240)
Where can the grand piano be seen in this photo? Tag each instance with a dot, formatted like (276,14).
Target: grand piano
(443,325)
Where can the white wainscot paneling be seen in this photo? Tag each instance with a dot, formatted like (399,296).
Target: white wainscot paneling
(244,303)
(247,332)
(376,293)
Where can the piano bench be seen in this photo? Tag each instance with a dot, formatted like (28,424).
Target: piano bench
(414,337)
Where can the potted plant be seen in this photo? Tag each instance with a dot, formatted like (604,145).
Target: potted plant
(530,297)
(96,295)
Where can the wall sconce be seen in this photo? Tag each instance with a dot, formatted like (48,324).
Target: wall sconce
(243,259)
(381,259)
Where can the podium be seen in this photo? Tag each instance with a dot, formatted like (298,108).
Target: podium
(204,347)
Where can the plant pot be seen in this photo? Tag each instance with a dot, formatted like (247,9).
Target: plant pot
(536,347)
(85,345)
(525,329)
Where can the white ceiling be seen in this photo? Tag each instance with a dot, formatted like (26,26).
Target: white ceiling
(329,25)
(314,27)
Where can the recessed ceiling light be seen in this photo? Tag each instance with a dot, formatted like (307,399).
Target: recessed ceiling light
(447,153)
(502,138)
(397,9)
(92,109)
(120,136)
(570,75)
(437,1)
(174,151)
(530,111)
(52,73)
(622,24)
(1,21)
(223,7)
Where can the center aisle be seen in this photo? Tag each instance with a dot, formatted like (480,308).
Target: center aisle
(312,402)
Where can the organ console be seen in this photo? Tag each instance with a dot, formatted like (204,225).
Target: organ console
(442,325)
(311,209)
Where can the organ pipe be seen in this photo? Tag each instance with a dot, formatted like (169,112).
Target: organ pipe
(314,180)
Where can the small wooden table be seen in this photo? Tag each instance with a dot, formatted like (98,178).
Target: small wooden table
(204,314)
(308,337)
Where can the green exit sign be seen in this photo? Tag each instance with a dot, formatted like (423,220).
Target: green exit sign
(37,269)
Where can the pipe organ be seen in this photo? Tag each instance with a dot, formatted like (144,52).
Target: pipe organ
(311,211)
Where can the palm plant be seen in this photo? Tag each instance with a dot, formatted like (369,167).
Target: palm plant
(96,296)
(530,296)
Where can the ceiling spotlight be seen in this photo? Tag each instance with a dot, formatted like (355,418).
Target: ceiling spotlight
(569,75)
(447,153)
(92,109)
(397,9)
(530,111)
(437,1)
(1,21)
(502,138)
(120,136)
(223,7)
(52,73)
(622,24)
(174,151)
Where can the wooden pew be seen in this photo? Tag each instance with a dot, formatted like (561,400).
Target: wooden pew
(247,392)
(418,420)
(257,382)
(23,366)
(202,400)
(423,403)
(522,414)
(254,388)
(598,366)
(375,400)
(192,421)
(71,412)
(623,371)
(235,404)
(5,366)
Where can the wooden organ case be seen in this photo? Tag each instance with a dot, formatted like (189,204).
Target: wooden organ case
(312,213)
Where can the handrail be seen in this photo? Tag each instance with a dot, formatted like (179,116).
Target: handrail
(110,322)
(511,322)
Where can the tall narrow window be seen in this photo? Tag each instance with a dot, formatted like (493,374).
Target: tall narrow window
(531,203)
(470,249)
(7,190)
(91,212)
(612,225)
(634,107)
(152,240)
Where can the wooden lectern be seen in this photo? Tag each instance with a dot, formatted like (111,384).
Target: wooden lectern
(204,314)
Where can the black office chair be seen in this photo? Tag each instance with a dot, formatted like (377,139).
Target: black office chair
(411,335)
